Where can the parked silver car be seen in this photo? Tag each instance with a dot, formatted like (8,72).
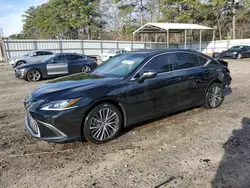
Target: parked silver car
(32,57)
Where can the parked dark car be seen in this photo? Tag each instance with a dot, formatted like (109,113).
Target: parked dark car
(54,66)
(236,52)
(127,89)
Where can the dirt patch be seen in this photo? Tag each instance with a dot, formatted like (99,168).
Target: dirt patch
(190,149)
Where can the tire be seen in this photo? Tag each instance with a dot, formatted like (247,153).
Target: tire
(20,63)
(214,97)
(86,69)
(33,75)
(239,56)
(97,131)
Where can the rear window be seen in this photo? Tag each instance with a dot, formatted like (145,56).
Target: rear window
(187,60)
(203,60)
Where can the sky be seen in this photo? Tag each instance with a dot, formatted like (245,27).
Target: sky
(11,14)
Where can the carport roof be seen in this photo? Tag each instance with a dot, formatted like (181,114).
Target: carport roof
(155,27)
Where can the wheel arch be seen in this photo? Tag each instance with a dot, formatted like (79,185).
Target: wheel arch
(18,61)
(111,101)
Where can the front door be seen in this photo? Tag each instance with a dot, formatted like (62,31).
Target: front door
(158,94)
(57,66)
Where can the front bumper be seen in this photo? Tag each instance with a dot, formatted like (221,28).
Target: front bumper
(54,126)
(12,63)
(20,74)
(223,55)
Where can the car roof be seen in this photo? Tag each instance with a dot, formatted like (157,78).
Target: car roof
(65,53)
(159,51)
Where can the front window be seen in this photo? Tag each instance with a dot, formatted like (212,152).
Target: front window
(48,59)
(120,66)
(236,48)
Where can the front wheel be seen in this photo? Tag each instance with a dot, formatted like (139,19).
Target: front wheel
(214,96)
(86,69)
(33,75)
(102,124)
(239,56)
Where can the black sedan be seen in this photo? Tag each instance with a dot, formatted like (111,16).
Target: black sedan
(236,52)
(58,65)
(127,89)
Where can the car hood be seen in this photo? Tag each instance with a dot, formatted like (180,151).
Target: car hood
(29,65)
(72,86)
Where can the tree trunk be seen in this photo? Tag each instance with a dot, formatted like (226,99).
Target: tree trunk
(219,28)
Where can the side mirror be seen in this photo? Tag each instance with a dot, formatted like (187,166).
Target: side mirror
(32,55)
(52,61)
(145,75)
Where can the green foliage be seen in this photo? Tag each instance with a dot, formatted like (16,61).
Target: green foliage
(87,19)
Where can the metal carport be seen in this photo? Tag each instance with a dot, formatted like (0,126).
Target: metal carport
(154,28)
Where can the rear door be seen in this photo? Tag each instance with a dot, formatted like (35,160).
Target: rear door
(247,48)
(193,78)
(57,66)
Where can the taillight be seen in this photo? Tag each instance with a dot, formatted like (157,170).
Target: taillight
(227,69)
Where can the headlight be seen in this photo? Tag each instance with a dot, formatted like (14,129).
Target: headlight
(60,105)
(234,53)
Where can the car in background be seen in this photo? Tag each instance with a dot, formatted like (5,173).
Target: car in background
(54,66)
(236,52)
(32,57)
(127,89)
(107,55)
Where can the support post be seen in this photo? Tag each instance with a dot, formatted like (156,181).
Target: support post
(60,46)
(167,38)
(101,46)
(132,45)
(82,46)
(185,39)
(200,39)
(213,35)
(150,38)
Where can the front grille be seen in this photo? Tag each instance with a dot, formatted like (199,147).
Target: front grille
(33,124)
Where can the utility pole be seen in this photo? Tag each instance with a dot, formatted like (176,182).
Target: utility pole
(234,19)
(234,6)
(1,33)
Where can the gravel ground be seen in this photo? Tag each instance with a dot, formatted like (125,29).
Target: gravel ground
(197,148)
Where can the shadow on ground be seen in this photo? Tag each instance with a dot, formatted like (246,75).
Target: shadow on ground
(234,169)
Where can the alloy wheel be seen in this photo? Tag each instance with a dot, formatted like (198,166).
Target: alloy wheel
(33,75)
(215,96)
(104,124)
(86,69)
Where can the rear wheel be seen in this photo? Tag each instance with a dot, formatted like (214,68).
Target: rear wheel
(103,123)
(20,63)
(86,69)
(33,75)
(214,96)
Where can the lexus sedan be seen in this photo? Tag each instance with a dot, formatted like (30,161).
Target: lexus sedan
(54,66)
(129,88)
(32,57)
(236,52)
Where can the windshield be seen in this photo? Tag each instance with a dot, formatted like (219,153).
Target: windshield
(112,51)
(236,48)
(120,66)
